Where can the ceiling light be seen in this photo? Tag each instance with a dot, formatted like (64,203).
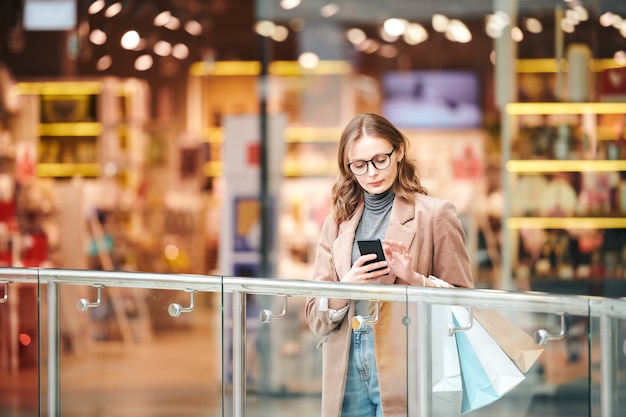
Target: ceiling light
(130,40)
(104,63)
(265,28)
(193,27)
(384,35)
(458,32)
(308,60)
(289,4)
(329,10)
(162,18)
(113,10)
(97,37)
(620,57)
(572,17)
(162,48)
(567,26)
(180,51)
(415,34)
(581,13)
(496,23)
(395,27)
(369,46)
(533,25)
(516,34)
(96,7)
(355,36)
(173,23)
(606,19)
(143,62)
(280,33)
(616,21)
(439,22)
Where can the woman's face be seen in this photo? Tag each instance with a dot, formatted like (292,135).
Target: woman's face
(367,148)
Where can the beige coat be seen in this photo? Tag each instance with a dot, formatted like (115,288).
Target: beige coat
(432,231)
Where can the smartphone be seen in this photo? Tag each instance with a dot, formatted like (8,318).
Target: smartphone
(372,246)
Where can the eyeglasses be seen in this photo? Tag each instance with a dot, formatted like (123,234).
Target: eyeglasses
(380,162)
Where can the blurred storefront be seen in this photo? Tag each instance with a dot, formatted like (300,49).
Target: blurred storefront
(113,146)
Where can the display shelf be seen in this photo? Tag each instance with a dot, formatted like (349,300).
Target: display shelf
(566,223)
(565,193)
(59,170)
(552,166)
(71,129)
(564,108)
(83,125)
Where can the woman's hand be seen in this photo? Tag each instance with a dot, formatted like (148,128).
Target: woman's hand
(399,260)
(366,274)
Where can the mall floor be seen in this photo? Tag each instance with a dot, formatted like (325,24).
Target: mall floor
(178,373)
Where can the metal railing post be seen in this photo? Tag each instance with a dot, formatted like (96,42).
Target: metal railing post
(607,371)
(424,372)
(239,354)
(53,329)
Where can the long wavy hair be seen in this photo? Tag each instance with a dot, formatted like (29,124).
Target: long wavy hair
(347,194)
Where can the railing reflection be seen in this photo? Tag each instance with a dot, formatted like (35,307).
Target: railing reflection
(603,314)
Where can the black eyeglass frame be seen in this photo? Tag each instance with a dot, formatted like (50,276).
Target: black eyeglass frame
(388,155)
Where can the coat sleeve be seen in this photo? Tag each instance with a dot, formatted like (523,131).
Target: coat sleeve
(317,314)
(451,261)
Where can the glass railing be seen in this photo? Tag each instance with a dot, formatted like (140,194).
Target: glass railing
(76,343)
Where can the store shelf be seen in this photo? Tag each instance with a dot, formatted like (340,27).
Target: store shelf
(61,170)
(517,109)
(566,223)
(548,166)
(70,129)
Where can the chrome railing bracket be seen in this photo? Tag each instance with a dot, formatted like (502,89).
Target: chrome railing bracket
(176,309)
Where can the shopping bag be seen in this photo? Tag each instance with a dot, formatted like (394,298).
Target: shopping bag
(487,372)
(515,342)
(446,371)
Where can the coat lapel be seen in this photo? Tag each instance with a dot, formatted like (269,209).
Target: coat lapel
(342,246)
(402,224)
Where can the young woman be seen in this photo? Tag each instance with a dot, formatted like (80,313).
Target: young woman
(378,195)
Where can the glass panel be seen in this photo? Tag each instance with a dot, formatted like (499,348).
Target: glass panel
(138,352)
(18,349)
(286,359)
(492,363)
(283,361)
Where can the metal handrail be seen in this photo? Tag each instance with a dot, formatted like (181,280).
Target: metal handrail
(486,298)
(240,286)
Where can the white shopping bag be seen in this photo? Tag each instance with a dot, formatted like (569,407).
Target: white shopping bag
(476,344)
(446,371)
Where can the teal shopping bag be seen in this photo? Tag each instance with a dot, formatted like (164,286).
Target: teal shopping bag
(478,391)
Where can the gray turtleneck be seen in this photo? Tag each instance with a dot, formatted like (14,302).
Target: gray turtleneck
(373,225)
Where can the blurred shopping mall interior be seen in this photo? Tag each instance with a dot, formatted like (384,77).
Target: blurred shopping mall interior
(200,137)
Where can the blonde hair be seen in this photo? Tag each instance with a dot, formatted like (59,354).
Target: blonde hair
(347,194)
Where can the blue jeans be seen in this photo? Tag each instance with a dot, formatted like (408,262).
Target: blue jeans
(362,394)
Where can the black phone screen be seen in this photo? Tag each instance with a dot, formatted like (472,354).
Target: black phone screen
(372,246)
